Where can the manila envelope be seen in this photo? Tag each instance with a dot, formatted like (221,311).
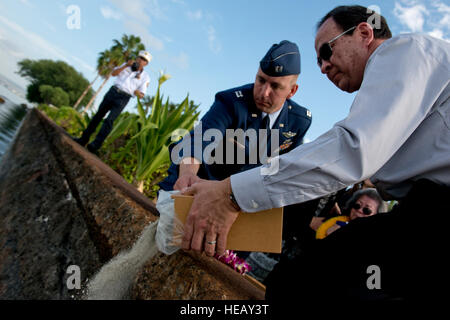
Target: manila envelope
(257,231)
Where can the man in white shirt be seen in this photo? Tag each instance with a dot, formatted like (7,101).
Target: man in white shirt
(131,80)
(397,133)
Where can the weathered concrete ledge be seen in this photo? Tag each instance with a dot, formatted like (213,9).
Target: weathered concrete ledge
(62,206)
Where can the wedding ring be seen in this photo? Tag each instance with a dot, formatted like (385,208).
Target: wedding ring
(211,242)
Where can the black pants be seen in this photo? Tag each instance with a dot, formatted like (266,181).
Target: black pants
(114,101)
(408,246)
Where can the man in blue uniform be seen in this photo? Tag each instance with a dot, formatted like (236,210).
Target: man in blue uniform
(264,104)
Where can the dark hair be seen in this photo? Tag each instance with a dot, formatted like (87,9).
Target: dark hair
(350,16)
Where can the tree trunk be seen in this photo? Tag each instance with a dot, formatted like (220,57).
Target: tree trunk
(85,92)
(96,93)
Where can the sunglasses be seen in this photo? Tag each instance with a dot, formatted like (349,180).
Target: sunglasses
(325,51)
(365,210)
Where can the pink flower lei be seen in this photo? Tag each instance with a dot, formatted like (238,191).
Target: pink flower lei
(230,258)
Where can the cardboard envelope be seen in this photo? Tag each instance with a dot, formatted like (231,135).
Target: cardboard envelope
(258,231)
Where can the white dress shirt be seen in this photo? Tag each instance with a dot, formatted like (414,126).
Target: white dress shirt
(397,131)
(128,82)
(272,116)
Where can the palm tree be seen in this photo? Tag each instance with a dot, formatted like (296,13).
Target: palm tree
(119,53)
(75,106)
(130,46)
(107,61)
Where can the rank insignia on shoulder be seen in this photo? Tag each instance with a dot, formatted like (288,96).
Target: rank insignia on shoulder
(239,94)
(308,113)
(289,134)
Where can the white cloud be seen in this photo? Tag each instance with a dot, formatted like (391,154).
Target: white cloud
(11,48)
(420,16)
(437,33)
(155,10)
(133,9)
(147,38)
(413,17)
(194,15)
(49,25)
(140,10)
(109,13)
(27,3)
(181,61)
(167,38)
(35,47)
(137,21)
(443,9)
(214,44)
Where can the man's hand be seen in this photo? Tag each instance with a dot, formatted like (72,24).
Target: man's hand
(138,94)
(187,175)
(186,181)
(117,71)
(210,218)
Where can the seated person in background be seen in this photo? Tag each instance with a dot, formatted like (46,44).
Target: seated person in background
(333,203)
(363,203)
(356,203)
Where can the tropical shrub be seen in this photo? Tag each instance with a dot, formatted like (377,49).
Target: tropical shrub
(54,95)
(67,118)
(151,134)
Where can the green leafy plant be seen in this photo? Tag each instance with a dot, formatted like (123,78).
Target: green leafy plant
(150,134)
(54,95)
(138,146)
(54,74)
(67,118)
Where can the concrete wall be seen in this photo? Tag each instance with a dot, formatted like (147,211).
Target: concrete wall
(62,206)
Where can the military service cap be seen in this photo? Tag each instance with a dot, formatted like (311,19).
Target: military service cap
(282,59)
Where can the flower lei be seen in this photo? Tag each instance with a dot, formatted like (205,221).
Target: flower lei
(230,258)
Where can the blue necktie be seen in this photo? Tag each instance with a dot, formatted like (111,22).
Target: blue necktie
(265,124)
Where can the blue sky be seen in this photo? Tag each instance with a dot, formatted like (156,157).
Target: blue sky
(205,45)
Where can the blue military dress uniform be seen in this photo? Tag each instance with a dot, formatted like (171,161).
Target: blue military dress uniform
(236,109)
